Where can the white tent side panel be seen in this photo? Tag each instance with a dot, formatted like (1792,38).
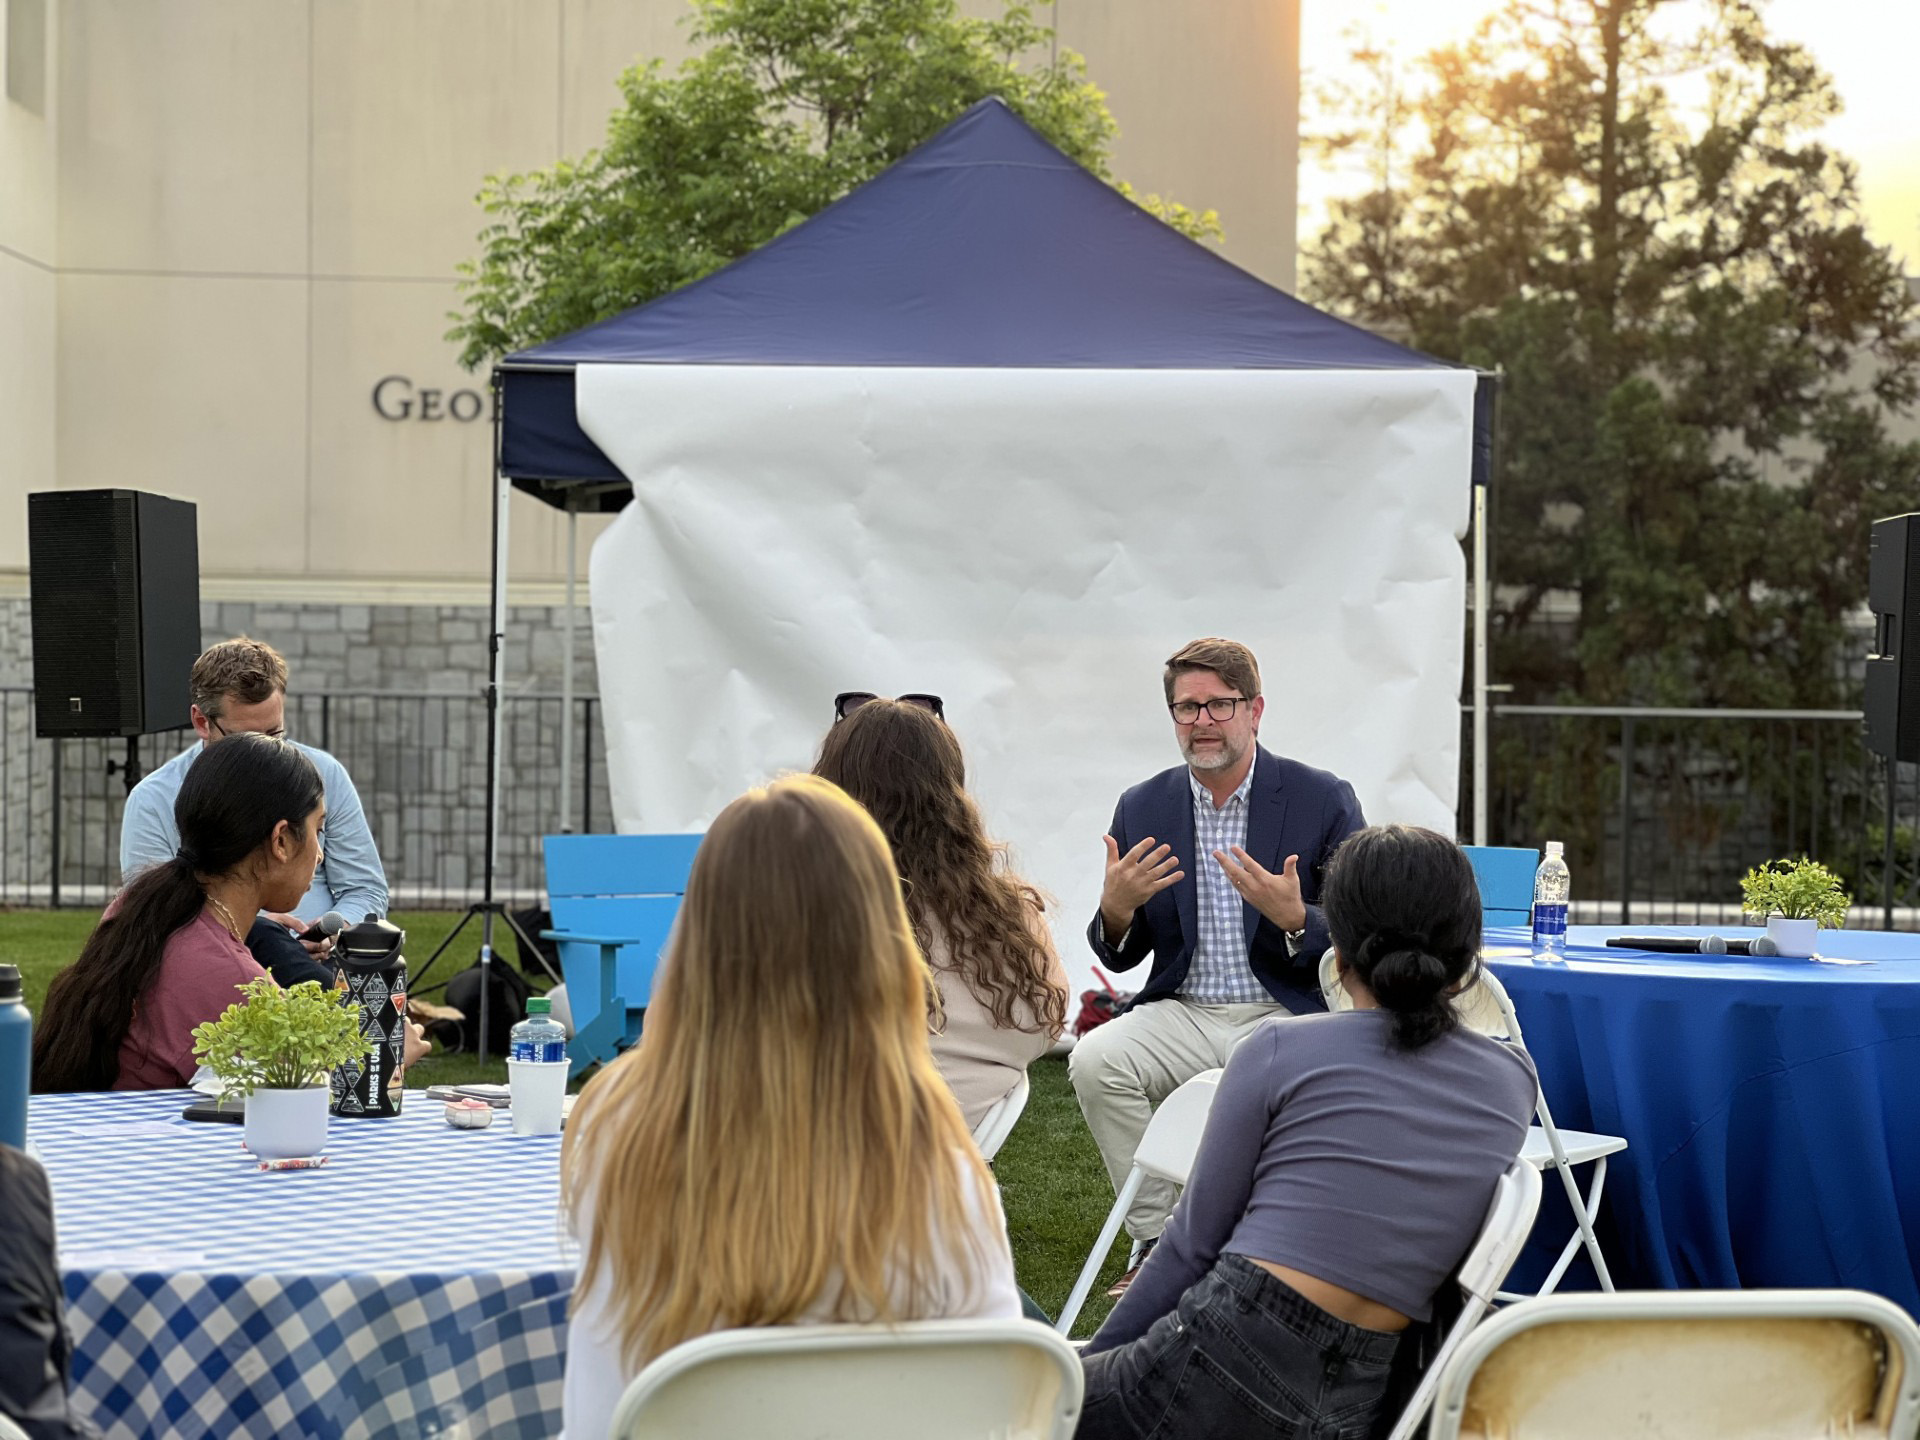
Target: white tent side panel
(1031,545)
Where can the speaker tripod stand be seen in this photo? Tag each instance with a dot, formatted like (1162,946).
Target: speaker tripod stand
(130,772)
(128,769)
(485,911)
(488,908)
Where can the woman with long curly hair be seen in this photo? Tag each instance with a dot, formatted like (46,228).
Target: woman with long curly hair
(1003,991)
(778,1149)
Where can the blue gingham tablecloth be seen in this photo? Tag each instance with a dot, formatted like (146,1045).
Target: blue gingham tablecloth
(416,1285)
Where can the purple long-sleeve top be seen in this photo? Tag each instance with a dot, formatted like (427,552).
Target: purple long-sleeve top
(1332,1151)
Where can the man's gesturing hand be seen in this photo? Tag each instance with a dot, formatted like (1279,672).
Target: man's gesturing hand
(1133,879)
(1275,896)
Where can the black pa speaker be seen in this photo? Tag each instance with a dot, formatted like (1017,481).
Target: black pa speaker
(1893,669)
(115,576)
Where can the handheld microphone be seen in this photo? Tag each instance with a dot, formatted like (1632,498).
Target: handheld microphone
(1671,944)
(326,927)
(1694,945)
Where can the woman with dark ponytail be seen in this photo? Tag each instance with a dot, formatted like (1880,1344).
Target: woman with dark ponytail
(171,950)
(1347,1164)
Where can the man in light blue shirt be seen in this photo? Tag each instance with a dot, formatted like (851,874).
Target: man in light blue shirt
(241,685)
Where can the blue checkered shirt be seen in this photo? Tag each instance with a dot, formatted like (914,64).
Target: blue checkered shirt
(1219,973)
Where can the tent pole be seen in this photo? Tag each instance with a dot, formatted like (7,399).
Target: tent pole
(566,674)
(496,665)
(1479,664)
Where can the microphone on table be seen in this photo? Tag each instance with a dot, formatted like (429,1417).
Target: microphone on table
(326,927)
(1694,945)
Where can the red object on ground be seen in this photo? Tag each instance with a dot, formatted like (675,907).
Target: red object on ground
(1099,1006)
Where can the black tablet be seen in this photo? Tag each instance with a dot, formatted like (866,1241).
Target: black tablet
(215,1111)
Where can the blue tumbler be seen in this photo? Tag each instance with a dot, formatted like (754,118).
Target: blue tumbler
(16,1059)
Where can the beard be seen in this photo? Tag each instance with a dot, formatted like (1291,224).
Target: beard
(1222,756)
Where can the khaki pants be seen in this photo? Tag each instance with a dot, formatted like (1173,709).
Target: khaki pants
(1124,1068)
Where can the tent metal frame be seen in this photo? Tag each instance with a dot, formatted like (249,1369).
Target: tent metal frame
(486,908)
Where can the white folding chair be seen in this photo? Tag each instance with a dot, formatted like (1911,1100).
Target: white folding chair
(10,1431)
(1165,1152)
(933,1379)
(1516,1200)
(1485,1006)
(994,1127)
(1548,1146)
(1686,1365)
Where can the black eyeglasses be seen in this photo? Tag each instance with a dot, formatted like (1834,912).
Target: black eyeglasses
(279,734)
(1185,712)
(848,701)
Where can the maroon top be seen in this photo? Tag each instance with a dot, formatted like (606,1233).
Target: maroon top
(198,972)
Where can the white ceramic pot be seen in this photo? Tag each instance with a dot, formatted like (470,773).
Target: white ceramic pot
(1796,939)
(286,1123)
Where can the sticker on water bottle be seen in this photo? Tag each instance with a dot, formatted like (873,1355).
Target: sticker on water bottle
(1549,917)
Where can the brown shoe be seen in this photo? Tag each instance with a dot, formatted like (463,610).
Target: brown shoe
(1119,1287)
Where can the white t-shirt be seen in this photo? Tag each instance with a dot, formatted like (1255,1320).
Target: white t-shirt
(597,1373)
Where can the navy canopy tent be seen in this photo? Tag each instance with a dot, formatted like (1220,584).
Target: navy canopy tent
(984,247)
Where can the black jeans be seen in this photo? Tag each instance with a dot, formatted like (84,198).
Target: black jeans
(1243,1354)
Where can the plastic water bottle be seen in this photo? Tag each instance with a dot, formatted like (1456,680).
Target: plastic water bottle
(16,1059)
(539,1037)
(1552,883)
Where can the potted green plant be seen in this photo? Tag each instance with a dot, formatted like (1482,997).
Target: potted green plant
(1798,899)
(277,1049)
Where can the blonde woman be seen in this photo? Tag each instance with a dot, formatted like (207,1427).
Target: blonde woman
(779,1149)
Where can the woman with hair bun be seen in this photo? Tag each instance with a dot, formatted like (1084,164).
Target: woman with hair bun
(1347,1165)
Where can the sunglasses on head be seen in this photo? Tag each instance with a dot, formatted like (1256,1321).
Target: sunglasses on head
(848,701)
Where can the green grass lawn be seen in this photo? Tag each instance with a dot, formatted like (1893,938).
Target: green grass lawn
(1050,1174)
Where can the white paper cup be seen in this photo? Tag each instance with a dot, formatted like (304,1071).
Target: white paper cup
(538,1090)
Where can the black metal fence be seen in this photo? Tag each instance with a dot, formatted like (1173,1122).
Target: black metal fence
(1662,811)
(418,760)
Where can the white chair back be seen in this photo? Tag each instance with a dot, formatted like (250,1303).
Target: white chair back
(1478,1007)
(932,1379)
(1508,1025)
(1172,1138)
(1503,1234)
(1516,1201)
(997,1124)
(1686,1365)
(1166,1152)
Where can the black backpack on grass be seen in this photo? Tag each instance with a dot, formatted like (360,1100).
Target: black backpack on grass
(506,1008)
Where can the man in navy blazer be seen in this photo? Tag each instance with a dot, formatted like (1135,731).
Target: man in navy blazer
(1213,869)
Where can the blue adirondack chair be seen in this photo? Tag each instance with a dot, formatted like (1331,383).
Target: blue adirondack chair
(613,899)
(1505,874)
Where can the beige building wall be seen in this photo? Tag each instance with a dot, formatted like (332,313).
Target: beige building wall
(28,256)
(1207,96)
(224,222)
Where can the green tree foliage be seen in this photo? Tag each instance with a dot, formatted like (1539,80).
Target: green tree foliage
(788,105)
(1624,205)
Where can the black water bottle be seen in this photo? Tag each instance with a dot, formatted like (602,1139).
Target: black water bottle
(374,974)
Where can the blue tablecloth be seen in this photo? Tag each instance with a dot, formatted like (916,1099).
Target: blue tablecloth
(416,1283)
(1772,1107)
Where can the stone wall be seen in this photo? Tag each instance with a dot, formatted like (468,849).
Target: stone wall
(394,691)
